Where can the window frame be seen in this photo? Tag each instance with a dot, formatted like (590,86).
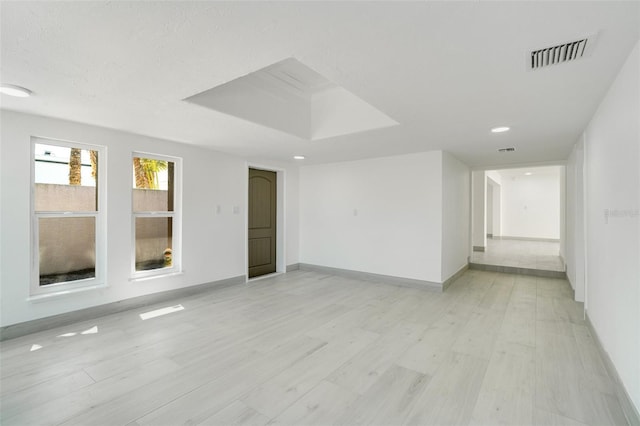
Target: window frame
(99,280)
(176,215)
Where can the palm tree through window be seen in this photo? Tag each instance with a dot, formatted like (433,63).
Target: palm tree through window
(153,213)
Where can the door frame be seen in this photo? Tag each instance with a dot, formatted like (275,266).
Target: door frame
(563,199)
(281,232)
(495,201)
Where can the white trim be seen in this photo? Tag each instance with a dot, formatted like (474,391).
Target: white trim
(38,292)
(263,277)
(176,226)
(281,232)
(62,293)
(154,276)
(369,276)
(585,222)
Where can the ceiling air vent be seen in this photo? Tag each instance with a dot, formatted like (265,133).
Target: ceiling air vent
(560,53)
(510,149)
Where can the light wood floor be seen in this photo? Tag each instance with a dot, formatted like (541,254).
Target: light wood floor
(306,348)
(544,255)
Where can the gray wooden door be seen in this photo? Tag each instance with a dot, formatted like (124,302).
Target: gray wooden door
(262,222)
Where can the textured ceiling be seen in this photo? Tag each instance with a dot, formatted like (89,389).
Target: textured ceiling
(446,71)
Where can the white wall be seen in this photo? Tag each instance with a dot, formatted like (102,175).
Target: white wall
(497,210)
(531,204)
(456,181)
(562,199)
(213,244)
(489,218)
(612,170)
(479,206)
(382,216)
(292,219)
(495,181)
(574,256)
(495,176)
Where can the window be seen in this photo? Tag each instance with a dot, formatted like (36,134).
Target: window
(156,219)
(68,237)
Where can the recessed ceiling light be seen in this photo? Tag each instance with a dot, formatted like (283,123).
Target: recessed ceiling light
(11,90)
(528,174)
(298,157)
(500,129)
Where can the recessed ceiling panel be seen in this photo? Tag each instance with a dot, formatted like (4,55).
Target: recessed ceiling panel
(293,98)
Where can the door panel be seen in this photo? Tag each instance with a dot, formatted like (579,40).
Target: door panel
(262,222)
(259,252)
(259,202)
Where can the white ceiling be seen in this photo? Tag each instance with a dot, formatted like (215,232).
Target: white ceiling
(446,71)
(291,97)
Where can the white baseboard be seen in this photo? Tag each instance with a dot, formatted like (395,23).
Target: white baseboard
(367,276)
(546,240)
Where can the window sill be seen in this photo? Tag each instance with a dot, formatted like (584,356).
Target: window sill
(153,277)
(44,297)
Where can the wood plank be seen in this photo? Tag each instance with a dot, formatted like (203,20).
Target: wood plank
(432,349)
(236,413)
(63,407)
(564,388)
(186,395)
(542,417)
(498,295)
(591,361)
(282,390)
(14,403)
(360,372)
(507,392)
(451,395)
(389,401)
(478,336)
(519,322)
(321,406)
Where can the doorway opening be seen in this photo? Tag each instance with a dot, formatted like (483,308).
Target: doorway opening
(517,220)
